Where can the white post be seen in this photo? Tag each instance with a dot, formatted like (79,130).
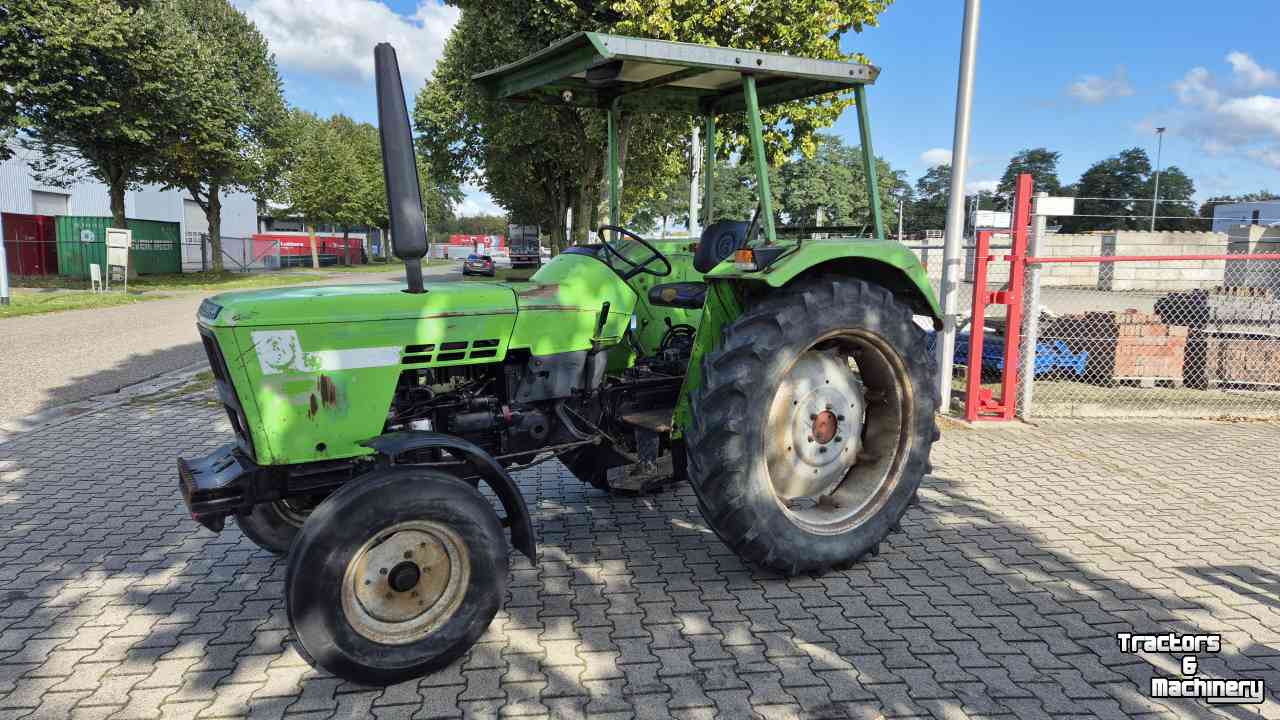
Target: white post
(4,271)
(899,221)
(952,253)
(695,182)
(1031,314)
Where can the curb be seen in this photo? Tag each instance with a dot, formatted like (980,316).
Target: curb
(54,416)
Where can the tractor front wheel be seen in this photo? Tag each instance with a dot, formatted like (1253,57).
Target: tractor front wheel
(812,427)
(395,575)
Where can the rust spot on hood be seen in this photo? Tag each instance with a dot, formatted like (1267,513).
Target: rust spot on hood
(328,391)
(540,291)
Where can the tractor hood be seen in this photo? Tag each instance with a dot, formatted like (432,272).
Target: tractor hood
(355,303)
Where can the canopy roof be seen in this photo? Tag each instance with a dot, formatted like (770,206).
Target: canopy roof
(590,69)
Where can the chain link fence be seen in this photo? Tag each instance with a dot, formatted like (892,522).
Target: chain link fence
(1187,330)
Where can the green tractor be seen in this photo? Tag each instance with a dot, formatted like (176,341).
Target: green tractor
(787,380)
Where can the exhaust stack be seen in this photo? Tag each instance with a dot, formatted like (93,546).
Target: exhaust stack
(400,168)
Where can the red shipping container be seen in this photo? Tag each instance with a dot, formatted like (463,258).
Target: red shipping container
(30,244)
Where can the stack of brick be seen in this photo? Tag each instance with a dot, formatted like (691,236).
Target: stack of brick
(1125,346)
(1235,335)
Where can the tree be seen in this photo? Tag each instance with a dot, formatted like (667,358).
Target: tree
(321,182)
(929,210)
(232,136)
(96,85)
(1176,192)
(834,181)
(1117,192)
(1042,163)
(1113,188)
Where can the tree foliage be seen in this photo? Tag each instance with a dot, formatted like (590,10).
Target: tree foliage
(97,86)
(232,116)
(1117,192)
(539,162)
(1041,162)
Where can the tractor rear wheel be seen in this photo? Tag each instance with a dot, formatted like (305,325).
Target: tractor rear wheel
(812,427)
(395,575)
(272,526)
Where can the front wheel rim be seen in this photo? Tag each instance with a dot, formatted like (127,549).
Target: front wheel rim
(838,431)
(406,582)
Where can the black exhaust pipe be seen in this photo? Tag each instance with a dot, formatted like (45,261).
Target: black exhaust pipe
(400,168)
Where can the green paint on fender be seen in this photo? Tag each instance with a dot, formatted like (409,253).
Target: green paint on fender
(891,257)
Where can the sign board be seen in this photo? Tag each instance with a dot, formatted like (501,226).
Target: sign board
(86,235)
(1052,206)
(992,219)
(118,244)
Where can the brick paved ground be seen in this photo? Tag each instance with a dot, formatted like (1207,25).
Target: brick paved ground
(1032,547)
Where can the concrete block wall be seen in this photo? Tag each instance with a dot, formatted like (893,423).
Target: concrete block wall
(1253,239)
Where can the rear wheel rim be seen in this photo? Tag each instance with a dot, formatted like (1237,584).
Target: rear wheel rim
(294,511)
(838,432)
(406,582)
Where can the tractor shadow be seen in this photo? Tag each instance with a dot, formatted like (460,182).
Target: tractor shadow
(113,596)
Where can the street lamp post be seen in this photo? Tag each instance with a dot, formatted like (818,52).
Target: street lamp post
(1155,197)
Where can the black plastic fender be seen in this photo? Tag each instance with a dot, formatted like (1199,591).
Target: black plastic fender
(395,444)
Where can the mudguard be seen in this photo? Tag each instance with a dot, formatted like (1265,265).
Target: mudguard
(885,262)
(395,444)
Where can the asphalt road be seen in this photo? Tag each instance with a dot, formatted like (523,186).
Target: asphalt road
(52,359)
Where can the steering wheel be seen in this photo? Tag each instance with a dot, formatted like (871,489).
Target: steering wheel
(636,267)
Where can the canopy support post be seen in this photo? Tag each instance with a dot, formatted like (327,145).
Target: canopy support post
(869,159)
(709,170)
(615,179)
(757,151)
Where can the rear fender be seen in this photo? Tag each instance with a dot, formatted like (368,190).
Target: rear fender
(394,445)
(884,262)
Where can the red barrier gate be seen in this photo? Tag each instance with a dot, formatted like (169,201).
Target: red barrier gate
(980,403)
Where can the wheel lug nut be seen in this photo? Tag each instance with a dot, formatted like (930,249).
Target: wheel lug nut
(822,449)
(840,418)
(839,439)
(407,554)
(813,417)
(810,438)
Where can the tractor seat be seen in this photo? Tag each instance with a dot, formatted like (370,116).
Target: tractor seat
(718,242)
(687,295)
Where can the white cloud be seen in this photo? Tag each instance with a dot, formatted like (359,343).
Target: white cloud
(1095,89)
(976,186)
(1250,74)
(335,38)
(1197,88)
(477,202)
(1231,118)
(934,157)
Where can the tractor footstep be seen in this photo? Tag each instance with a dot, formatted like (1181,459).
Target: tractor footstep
(642,478)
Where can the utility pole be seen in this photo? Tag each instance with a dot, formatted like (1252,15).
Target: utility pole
(899,221)
(1155,198)
(952,252)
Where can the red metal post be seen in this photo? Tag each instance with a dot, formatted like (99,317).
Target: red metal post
(1013,300)
(974,399)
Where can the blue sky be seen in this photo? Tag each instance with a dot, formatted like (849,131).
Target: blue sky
(1085,78)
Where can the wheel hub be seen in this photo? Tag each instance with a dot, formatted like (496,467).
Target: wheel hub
(405,582)
(815,426)
(824,427)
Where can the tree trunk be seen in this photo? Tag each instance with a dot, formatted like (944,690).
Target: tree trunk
(346,252)
(213,215)
(315,256)
(386,243)
(117,204)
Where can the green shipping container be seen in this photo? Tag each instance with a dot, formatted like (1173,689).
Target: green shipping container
(82,241)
